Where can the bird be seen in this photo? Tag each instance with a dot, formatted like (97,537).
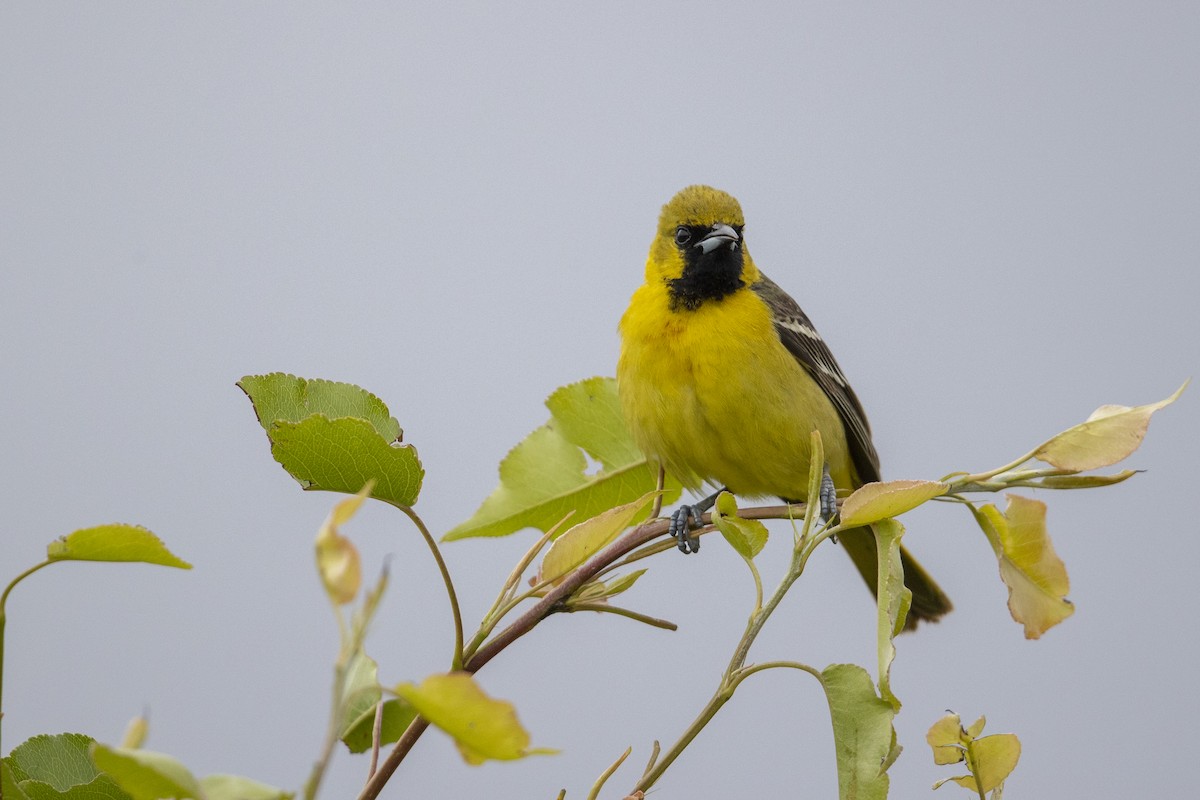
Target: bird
(722,378)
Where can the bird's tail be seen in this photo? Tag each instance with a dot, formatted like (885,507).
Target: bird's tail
(929,602)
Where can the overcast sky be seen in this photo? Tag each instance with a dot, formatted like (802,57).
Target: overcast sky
(989,210)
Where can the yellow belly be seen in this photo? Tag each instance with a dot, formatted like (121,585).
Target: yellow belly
(714,396)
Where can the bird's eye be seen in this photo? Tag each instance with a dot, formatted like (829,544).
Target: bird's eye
(682,235)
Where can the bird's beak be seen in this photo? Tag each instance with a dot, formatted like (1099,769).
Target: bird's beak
(720,234)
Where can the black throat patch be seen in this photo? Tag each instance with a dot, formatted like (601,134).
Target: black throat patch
(706,276)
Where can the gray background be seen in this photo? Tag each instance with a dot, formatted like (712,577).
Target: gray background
(990,211)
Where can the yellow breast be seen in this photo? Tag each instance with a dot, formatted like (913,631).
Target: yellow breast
(714,396)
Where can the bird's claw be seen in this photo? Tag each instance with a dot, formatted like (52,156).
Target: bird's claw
(681,529)
(828,497)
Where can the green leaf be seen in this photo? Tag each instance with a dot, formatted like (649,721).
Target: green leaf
(397,715)
(587,414)
(876,501)
(360,686)
(102,787)
(61,760)
(146,775)
(285,397)
(816,473)
(545,477)
(342,455)
(482,728)
(894,600)
(8,783)
(620,584)
(589,537)
(1110,434)
(1035,575)
(864,740)
(116,542)
(746,536)
(232,787)
(599,591)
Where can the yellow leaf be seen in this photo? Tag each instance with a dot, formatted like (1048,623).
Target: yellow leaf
(1110,434)
(482,728)
(337,557)
(990,759)
(135,733)
(1035,575)
(994,757)
(965,781)
(876,501)
(977,728)
(945,737)
(584,540)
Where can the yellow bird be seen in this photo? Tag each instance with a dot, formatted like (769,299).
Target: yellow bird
(722,379)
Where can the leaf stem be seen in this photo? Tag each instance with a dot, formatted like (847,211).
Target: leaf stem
(376,735)
(746,672)
(4,620)
(624,612)
(758,590)
(660,487)
(456,663)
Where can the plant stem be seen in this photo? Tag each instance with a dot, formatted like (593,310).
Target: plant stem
(331,734)
(376,735)
(405,743)
(4,620)
(551,602)
(959,481)
(506,601)
(734,674)
(973,768)
(457,661)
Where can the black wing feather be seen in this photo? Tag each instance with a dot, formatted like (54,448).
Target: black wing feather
(801,339)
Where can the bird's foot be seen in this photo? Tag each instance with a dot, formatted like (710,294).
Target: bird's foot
(828,497)
(681,528)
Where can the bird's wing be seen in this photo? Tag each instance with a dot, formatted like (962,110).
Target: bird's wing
(801,339)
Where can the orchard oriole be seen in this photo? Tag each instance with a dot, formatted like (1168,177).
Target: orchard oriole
(722,379)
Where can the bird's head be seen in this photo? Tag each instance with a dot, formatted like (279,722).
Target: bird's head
(699,252)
